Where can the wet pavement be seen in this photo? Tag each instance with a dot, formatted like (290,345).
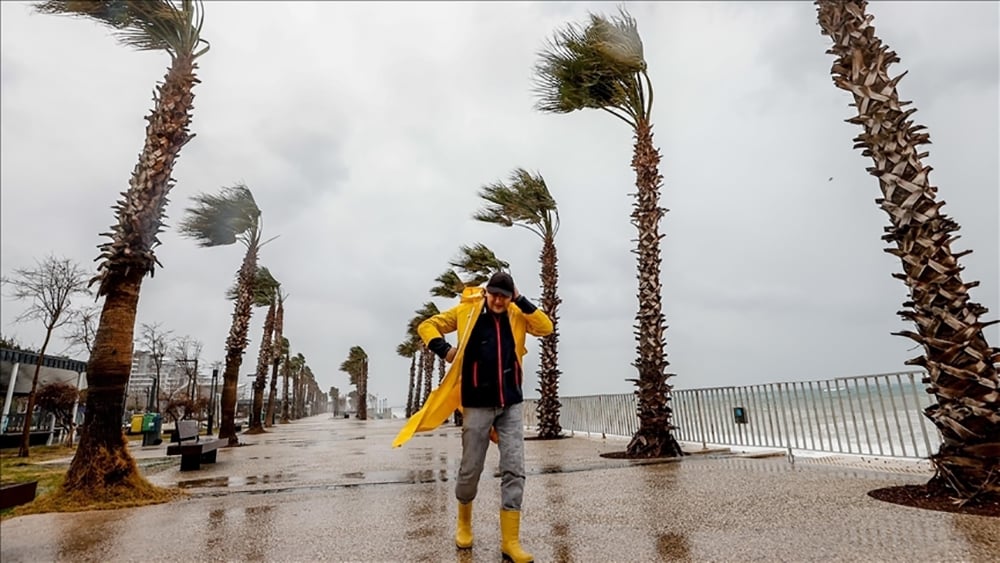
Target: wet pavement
(324,489)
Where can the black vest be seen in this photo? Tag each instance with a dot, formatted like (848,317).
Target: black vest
(491,374)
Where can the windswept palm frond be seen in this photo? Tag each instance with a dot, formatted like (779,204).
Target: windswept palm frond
(524,202)
(145,25)
(426,311)
(408,347)
(223,218)
(601,66)
(478,262)
(265,287)
(449,285)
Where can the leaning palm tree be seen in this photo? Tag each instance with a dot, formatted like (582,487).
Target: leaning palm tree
(102,468)
(527,203)
(292,366)
(409,348)
(265,294)
(356,366)
(601,66)
(278,354)
(962,368)
(428,310)
(223,219)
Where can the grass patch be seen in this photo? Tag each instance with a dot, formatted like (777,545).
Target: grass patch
(51,497)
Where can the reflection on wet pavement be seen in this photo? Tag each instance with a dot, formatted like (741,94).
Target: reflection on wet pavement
(360,500)
(236,481)
(77,538)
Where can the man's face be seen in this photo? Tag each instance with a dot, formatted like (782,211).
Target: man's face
(497,303)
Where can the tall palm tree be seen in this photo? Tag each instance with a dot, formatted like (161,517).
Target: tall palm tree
(962,368)
(265,294)
(223,219)
(334,399)
(409,348)
(356,366)
(426,311)
(527,203)
(601,66)
(102,466)
(278,354)
(292,367)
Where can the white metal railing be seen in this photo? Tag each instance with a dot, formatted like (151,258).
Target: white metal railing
(869,415)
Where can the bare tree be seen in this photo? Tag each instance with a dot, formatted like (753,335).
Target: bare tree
(157,342)
(49,287)
(187,352)
(82,328)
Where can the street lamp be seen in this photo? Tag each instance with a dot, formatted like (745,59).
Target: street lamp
(211,400)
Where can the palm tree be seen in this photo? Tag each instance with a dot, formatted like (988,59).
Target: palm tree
(527,203)
(279,354)
(218,220)
(334,399)
(356,366)
(602,67)
(409,349)
(102,467)
(962,368)
(265,294)
(292,366)
(426,311)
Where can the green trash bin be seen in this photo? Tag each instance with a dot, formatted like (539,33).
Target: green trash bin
(152,427)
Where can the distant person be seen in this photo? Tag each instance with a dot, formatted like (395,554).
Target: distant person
(486,381)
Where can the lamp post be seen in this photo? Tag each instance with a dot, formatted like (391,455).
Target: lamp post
(211,400)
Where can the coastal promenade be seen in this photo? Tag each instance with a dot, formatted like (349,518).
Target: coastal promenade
(324,489)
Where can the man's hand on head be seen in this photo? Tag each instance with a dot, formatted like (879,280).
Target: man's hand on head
(450,356)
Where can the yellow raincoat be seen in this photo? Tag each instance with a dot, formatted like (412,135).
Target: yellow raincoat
(447,397)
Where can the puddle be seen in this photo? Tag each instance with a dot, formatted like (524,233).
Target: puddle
(236,481)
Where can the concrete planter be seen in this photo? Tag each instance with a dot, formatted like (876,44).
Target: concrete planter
(17,494)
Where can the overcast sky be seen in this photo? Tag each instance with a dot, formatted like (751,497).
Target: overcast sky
(365,131)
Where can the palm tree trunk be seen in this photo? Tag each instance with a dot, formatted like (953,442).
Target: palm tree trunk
(285,398)
(279,327)
(363,392)
(24,450)
(428,375)
(654,437)
(961,366)
(413,375)
(102,464)
(260,382)
(236,343)
(548,373)
(419,385)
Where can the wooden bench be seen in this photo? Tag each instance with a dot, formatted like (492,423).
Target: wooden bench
(192,448)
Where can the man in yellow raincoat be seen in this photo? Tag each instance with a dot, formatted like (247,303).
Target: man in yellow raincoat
(485,381)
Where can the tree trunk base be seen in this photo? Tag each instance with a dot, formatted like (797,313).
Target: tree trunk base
(649,443)
(255,430)
(111,480)
(549,431)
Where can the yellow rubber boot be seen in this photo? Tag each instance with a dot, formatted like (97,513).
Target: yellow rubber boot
(510,531)
(463,535)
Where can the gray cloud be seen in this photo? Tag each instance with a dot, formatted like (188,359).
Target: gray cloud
(365,131)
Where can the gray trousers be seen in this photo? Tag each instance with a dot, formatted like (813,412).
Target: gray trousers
(509,424)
